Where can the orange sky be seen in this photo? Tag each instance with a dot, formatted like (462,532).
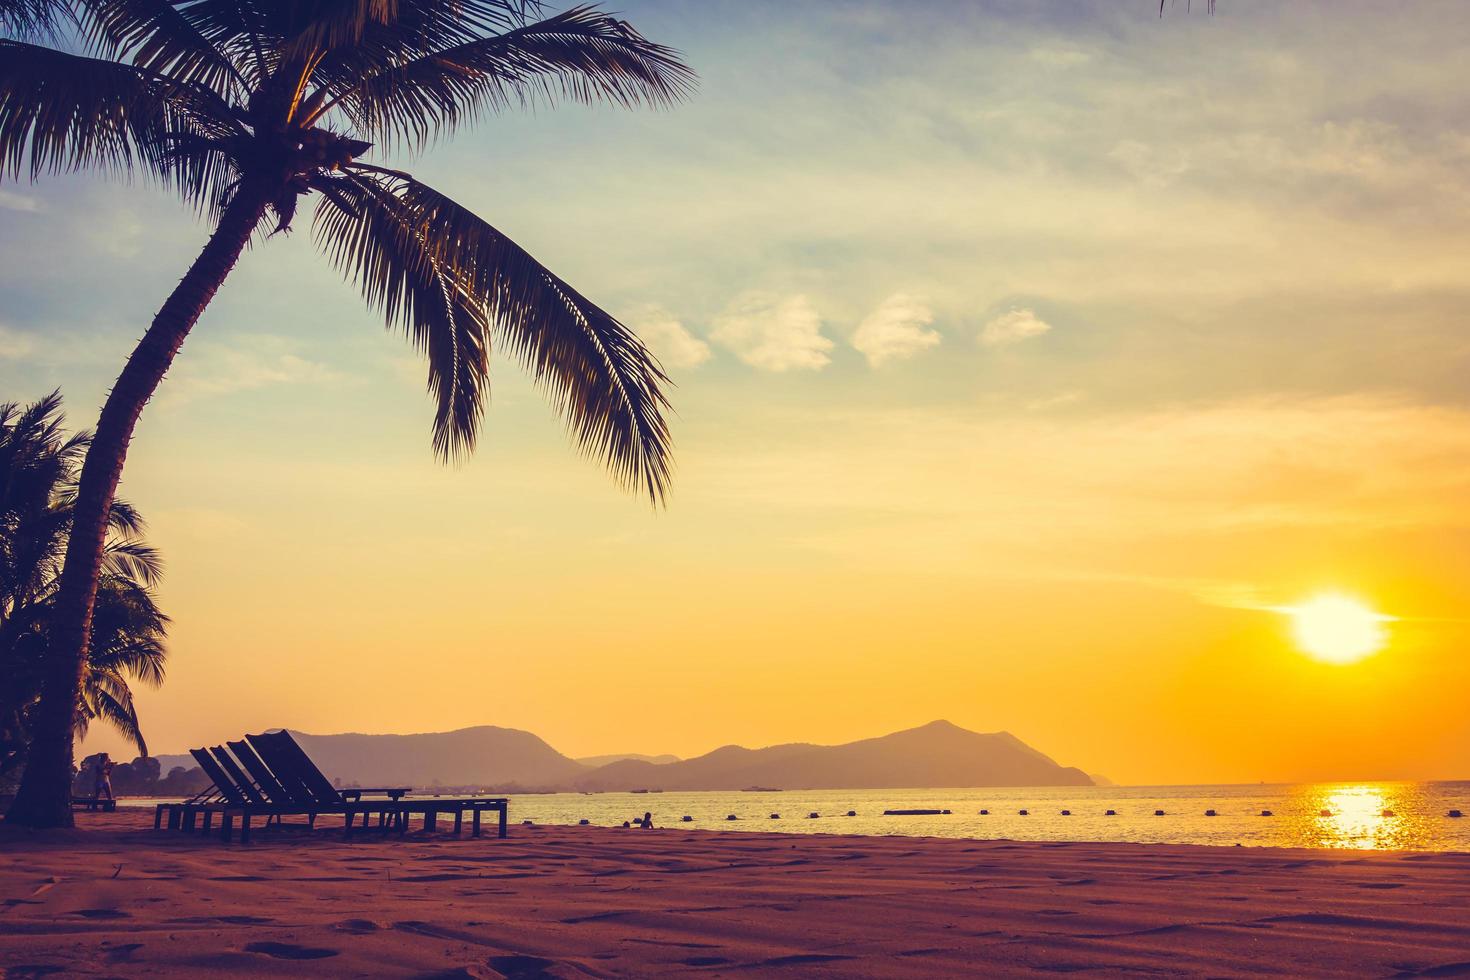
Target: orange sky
(1022,358)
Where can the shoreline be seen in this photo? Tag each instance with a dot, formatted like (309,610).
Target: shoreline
(115,897)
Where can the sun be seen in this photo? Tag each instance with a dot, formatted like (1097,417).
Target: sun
(1337,629)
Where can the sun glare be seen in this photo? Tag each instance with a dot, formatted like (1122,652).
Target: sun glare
(1337,629)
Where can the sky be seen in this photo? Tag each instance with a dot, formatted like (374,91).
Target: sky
(1029,356)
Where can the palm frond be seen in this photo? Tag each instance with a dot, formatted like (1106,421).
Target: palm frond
(33,19)
(61,112)
(132,559)
(114,706)
(581,54)
(362,230)
(601,378)
(157,37)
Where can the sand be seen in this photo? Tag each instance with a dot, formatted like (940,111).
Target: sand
(115,898)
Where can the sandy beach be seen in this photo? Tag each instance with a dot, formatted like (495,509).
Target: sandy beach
(118,899)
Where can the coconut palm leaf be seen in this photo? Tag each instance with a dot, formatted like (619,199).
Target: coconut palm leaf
(61,112)
(132,559)
(32,18)
(157,37)
(369,237)
(105,695)
(581,54)
(601,378)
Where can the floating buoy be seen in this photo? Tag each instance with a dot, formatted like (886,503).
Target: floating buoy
(1158,813)
(1454,813)
(583,822)
(852,813)
(686,818)
(1324,813)
(1066,813)
(732,817)
(984,813)
(527,823)
(1209,813)
(1388,813)
(775,816)
(1267,813)
(1111,813)
(1024,813)
(813,815)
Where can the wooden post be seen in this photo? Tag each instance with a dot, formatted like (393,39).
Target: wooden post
(503,808)
(245,827)
(475,822)
(458,820)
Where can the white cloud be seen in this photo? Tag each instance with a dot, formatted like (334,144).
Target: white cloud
(1059,56)
(1012,328)
(259,362)
(15,345)
(11,201)
(675,346)
(897,329)
(774,334)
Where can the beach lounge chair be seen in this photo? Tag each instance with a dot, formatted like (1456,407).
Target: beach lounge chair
(270,776)
(301,778)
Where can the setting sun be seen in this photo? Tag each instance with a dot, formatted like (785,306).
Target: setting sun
(1337,629)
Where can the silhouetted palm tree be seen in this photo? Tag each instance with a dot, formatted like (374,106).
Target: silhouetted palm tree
(245,106)
(38,483)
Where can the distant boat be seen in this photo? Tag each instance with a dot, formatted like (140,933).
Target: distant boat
(760,789)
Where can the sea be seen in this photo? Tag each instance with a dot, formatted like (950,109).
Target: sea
(1365,816)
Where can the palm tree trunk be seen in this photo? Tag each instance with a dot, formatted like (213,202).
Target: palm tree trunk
(44,798)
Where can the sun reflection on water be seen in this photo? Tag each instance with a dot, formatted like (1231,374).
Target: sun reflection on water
(1366,816)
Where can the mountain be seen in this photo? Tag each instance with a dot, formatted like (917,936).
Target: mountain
(604,760)
(484,756)
(936,754)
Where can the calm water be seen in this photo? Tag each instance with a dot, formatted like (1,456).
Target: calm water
(1355,819)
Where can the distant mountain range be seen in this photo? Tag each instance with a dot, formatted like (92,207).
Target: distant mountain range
(936,754)
(603,760)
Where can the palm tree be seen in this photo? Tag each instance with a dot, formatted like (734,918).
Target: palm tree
(38,482)
(243,107)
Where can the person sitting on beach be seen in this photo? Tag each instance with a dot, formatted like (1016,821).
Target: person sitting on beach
(103,784)
(647,820)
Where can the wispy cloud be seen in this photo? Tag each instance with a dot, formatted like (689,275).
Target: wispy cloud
(247,364)
(1012,328)
(897,329)
(773,333)
(11,201)
(15,345)
(668,338)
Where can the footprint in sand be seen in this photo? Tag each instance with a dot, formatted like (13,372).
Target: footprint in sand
(358,927)
(122,951)
(29,971)
(102,913)
(520,967)
(290,951)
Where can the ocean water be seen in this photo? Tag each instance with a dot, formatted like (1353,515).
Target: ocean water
(1367,816)
(1355,817)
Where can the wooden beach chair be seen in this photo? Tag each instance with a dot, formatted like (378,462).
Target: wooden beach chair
(293,766)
